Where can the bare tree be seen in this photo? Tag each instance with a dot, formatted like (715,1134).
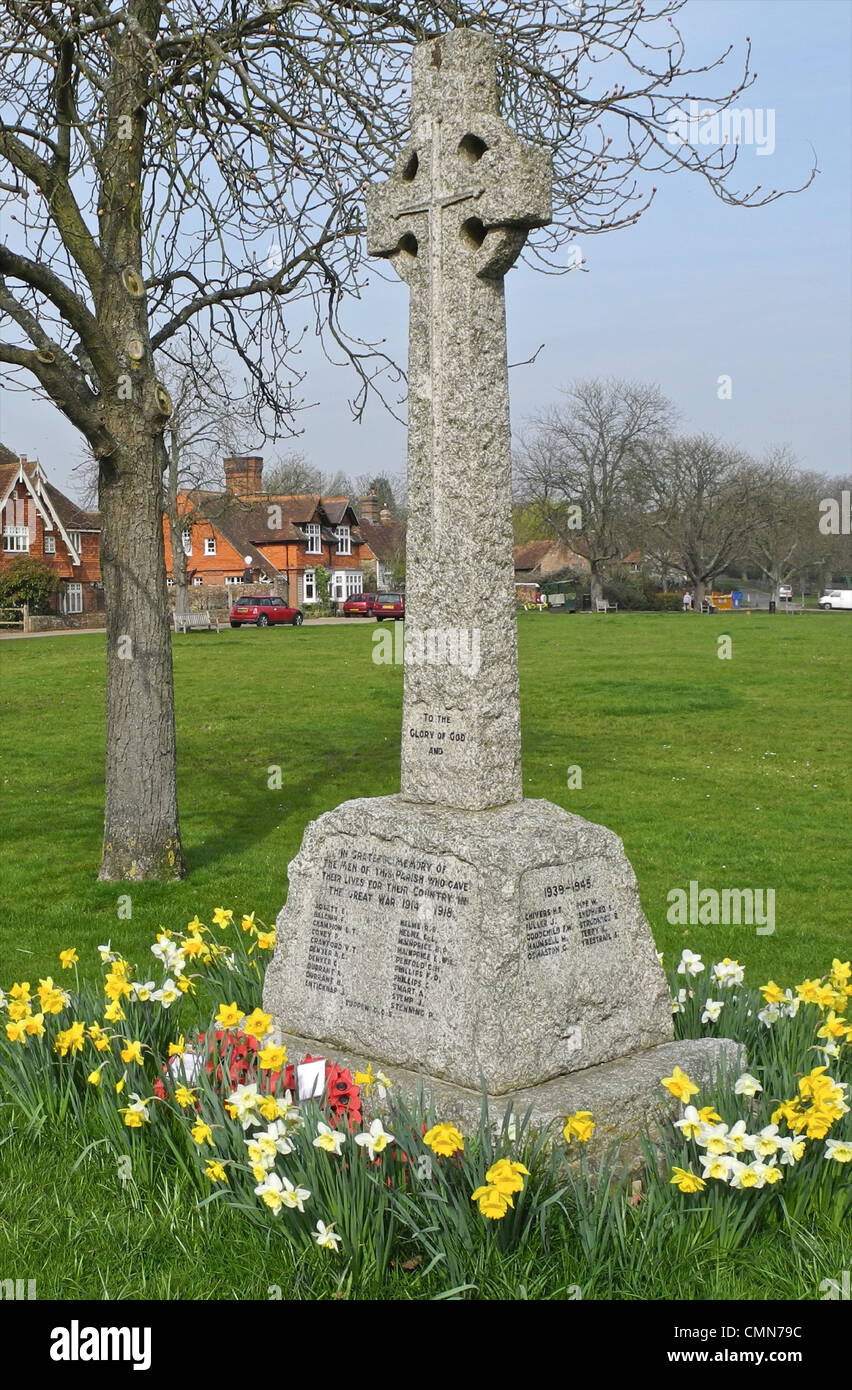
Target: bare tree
(582,462)
(703,503)
(292,475)
(209,420)
(785,538)
(177,172)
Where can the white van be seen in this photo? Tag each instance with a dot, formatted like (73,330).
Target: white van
(836,598)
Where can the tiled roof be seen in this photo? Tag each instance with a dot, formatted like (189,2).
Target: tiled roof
(73,518)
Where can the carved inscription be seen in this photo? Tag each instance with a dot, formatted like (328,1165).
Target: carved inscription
(438,733)
(563,912)
(423,894)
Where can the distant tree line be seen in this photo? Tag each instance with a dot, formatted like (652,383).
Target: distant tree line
(607,468)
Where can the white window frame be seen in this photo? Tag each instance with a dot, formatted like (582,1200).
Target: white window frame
(344,540)
(309,586)
(186,540)
(354,583)
(170,582)
(71,598)
(16,540)
(233,579)
(197,580)
(50,545)
(337,586)
(209,545)
(313,530)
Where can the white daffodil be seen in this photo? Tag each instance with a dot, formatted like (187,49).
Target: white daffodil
(143,992)
(791,1003)
(749,1175)
(270,1192)
(326,1236)
(690,964)
(717,1167)
(737,1136)
(243,1103)
(765,1143)
(106,953)
(727,973)
(712,1010)
(138,1106)
(747,1085)
(769,1015)
(168,995)
(332,1140)
(276,1134)
(714,1138)
(168,954)
(293,1196)
(261,1153)
(691,1126)
(792,1148)
(840,1150)
(660,957)
(375,1140)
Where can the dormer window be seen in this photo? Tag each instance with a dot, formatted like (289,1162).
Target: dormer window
(344,540)
(209,545)
(313,533)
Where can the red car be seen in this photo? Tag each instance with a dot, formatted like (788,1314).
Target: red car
(260,610)
(358,605)
(388,606)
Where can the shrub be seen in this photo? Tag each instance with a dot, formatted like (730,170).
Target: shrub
(27,580)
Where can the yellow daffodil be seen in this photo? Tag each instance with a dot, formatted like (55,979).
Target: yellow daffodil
(135,1115)
(132,1052)
(708,1116)
(772,993)
(833,1027)
(16,1032)
(492,1202)
(579,1126)
(272,1058)
(116,987)
(248,924)
(177,1049)
(266,940)
(257,1024)
(18,1009)
(229,1016)
(69,958)
(222,917)
(184,1097)
(34,1025)
(687,1181)
(185,984)
(680,1085)
(269,1107)
(195,926)
(114,1013)
(98,1037)
(21,991)
(215,1171)
(70,1039)
(506,1176)
(94,1077)
(202,1133)
(444,1139)
(194,947)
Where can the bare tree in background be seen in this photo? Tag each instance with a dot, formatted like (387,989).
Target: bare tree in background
(582,462)
(785,539)
(209,421)
(176,174)
(703,502)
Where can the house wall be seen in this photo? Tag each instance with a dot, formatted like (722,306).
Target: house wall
(21,510)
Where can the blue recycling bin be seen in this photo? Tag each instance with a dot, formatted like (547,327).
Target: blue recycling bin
(737,598)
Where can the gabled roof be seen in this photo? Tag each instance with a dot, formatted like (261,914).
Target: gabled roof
(54,504)
(385,538)
(245,521)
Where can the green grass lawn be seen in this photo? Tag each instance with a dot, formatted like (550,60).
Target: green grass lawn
(734,773)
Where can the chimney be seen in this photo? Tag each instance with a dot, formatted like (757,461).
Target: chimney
(243,475)
(384,514)
(369,506)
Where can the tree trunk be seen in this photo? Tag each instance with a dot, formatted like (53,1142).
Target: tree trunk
(700,594)
(596,586)
(141,828)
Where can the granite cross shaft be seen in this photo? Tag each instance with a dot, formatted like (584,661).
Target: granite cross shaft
(452,219)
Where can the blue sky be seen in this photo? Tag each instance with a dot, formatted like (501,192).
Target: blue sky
(694,291)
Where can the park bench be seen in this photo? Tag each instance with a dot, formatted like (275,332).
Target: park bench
(601,606)
(201,621)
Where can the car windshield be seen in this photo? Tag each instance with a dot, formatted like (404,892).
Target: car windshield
(390,598)
(247,602)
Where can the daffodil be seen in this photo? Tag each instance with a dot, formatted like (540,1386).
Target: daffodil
(840,1150)
(21,991)
(229,1016)
(257,1024)
(506,1176)
(136,1114)
(69,958)
(492,1202)
(215,1171)
(690,964)
(177,1049)
(248,924)
(764,1144)
(687,1181)
(132,1052)
(727,973)
(679,1085)
(195,926)
(691,1125)
(444,1139)
(98,1037)
(747,1085)
(708,1115)
(168,994)
(579,1126)
(375,1140)
(242,1105)
(18,1009)
(266,940)
(94,1077)
(222,917)
(716,1166)
(114,1013)
(712,1010)
(326,1237)
(16,1032)
(332,1140)
(34,1025)
(202,1133)
(772,993)
(184,1097)
(70,1039)
(272,1058)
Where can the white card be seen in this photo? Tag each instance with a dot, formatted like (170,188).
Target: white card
(310,1077)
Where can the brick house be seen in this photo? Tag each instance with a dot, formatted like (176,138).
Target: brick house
(40,521)
(285,538)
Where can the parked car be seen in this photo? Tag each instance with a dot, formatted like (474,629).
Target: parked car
(785,591)
(388,606)
(260,610)
(358,605)
(836,598)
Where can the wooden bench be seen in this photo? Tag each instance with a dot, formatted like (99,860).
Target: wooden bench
(202,621)
(601,606)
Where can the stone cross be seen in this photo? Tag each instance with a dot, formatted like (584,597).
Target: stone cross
(452,218)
